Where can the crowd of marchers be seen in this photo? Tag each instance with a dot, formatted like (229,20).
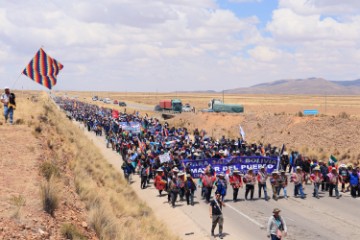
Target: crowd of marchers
(140,153)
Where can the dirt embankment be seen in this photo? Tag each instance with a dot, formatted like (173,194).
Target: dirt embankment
(56,185)
(28,155)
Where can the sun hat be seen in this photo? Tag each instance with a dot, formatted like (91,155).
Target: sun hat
(276,210)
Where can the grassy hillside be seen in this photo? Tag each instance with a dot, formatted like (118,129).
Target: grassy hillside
(114,210)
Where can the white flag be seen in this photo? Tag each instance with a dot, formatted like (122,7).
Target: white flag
(242,133)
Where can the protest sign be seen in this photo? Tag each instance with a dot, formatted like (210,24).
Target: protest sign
(164,157)
(233,163)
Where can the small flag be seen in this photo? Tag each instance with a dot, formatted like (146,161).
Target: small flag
(332,160)
(115,114)
(242,133)
(43,69)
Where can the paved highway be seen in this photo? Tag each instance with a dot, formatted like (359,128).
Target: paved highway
(311,218)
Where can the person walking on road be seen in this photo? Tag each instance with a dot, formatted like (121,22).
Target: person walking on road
(334,180)
(354,183)
(221,185)
(174,190)
(324,171)
(208,182)
(249,180)
(298,179)
(262,177)
(236,183)
(159,181)
(190,188)
(276,227)
(317,178)
(274,181)
(144,169)
(283,182)
(215,211)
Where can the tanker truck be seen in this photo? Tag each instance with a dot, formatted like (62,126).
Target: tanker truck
(170,105)
(216,105)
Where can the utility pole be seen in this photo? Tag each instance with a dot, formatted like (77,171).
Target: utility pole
(325,102)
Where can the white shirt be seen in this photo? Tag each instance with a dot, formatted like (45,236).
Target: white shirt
(5,98)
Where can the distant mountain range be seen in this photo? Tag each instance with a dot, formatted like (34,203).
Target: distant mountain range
(316,86)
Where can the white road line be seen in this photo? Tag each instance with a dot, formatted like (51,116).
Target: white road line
(246,216)
(290,219)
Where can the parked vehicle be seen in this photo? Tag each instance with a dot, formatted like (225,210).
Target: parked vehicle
(95,98)
(187,108)
(216,105)
(116,102)
(107,100)
(122,104)
(172,105)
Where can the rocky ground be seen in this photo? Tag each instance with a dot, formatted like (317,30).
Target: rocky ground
(21,213)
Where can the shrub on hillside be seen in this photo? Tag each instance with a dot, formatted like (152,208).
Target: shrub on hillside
(103,224)
(69,231)
(344,115)
(49,196)
(18,201)
(48,169)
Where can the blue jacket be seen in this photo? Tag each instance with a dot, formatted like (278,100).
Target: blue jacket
(354,179)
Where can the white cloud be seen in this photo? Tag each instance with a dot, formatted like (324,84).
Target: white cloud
(263,53)
(143,45)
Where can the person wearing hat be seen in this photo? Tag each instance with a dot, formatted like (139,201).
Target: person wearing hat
(344,176)
(249,180)
(181,185)
(283,182)
(215,211)
(276,227)
(190,188)
(208,181)
(334,180)
(173,190)
(298,178)
(8,101)
(274,181)
(316,178)
(236,183)
(159,181)
(262,177)
(221,185)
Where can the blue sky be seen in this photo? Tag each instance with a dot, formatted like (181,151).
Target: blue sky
(261,9)
(180,45)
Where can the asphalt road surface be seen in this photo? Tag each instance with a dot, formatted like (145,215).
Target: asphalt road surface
(311,218)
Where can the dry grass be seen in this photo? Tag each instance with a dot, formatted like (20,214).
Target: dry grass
(112,205)
(69,231)
(49,196)
(18,202)
(48,170)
